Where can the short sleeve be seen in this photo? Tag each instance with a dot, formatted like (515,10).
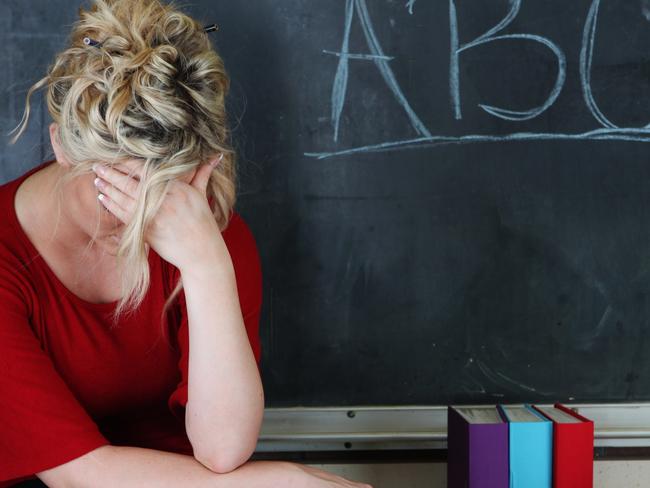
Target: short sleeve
(42,425)
(248,273)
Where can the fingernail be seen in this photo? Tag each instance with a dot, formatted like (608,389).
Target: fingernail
(215,162)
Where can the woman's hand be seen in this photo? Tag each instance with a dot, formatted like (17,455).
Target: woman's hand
(184,226)
(264,474)
(310,477)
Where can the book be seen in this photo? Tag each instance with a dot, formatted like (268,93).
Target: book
(573,447)
(477,450)
(530,445)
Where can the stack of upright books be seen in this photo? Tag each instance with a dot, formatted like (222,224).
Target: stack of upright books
(519,446)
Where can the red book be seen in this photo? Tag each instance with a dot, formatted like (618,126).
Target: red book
(573,447)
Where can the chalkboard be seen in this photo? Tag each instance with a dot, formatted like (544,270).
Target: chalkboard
(451,198)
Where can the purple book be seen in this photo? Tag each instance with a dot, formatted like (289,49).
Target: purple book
(477,448)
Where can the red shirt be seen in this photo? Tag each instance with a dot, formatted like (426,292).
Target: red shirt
(68,383)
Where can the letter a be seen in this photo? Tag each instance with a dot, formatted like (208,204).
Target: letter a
(377,55)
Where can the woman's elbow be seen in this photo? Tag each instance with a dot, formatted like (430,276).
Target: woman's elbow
(223,462)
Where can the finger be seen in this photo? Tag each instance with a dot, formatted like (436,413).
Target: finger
(132,167)
(125,183)
(202,176)
(112,207)
(125,202)
(321,473)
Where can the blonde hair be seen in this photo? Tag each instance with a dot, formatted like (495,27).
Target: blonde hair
(154,89)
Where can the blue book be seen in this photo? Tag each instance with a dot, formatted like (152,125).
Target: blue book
(531,447)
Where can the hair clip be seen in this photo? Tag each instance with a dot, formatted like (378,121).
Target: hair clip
(90,42)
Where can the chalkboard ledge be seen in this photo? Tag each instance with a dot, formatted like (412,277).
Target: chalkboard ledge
(402,456)
(619,428)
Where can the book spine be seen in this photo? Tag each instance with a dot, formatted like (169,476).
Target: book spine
(573,455)
(531,452)
(457,450)
(489,455)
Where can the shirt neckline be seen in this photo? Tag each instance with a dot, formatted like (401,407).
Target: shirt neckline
(13,220)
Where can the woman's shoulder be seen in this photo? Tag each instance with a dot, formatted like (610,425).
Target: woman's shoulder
(16,280)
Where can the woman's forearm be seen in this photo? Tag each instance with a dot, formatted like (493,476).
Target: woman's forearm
(225,403)
(126,467)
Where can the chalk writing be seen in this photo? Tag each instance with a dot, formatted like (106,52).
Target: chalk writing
(377,55)
(490,36)
(586,57)
(409,5)
(608,130)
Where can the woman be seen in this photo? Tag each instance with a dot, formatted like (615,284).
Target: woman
(128,237)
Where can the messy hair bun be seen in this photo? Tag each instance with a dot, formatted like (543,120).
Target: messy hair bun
(153,89)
